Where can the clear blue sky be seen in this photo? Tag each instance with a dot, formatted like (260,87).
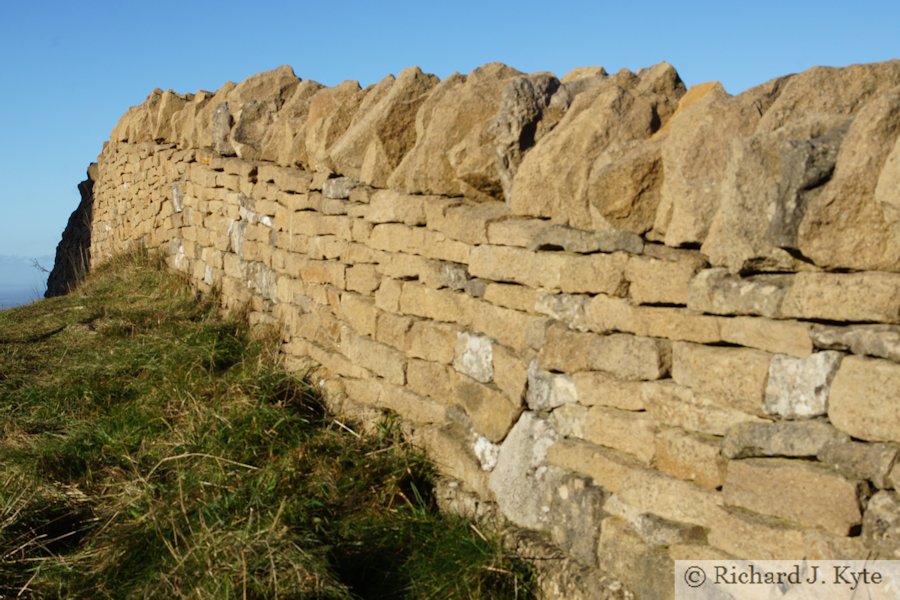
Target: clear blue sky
(71,69)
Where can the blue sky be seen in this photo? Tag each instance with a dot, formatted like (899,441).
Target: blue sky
(71,69)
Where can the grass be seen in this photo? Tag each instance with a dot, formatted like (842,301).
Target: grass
(152,449)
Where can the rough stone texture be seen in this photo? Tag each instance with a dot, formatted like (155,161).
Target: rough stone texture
(692,456)
(882,341)
(547,391)
(856,460)
(719,292)
(870,296)
(449,156)
(521,479)
(808,494)
(474,356)
(73,253)
(646,569)
(865,399)
(606,125)
(576,510)
(625,356)
(331,111)
(881,527)
(798,387)
(802,439)
(701,368)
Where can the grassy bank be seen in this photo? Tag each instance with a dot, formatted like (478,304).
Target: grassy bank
(151,449)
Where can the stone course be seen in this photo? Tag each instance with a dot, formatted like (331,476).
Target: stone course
(644,321)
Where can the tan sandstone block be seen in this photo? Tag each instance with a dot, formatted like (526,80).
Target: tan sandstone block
(670,498)
(692,456)
(360,312)
(645,569)
(379,358)
(625,356)
(750,536)
(392,329)
(510,373)
(608,468)
(631,432)
(807,493)
(363,278)
(512,328)
(654,281)
(607,314)
(597,388)
(509,295)
(431,341)
(516,231)
(447,448)
(865,399)
(782,337)
(389,206)
(468,222)
(387,297)
(440,305)
(733,377)
(680,406)
(323,271)
(869,296)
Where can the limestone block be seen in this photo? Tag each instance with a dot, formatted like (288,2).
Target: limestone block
(625,356)
(387,296)
(825,546)
(865,399)
(360,313)
(807,493)
(631,432)
(432,341)
(843,297)
(732,377)
(858,460)
(449,157)
(392,329)
(517,297)
(652,528)
(881,341)
(473,356)
(781,337)
(547,391)
(600,389)
(466,221)
(653,281)
(750,536)
(561,237)
(845,227)
(568,308)
(516,232)
(881,526)
(607,314)
(285,141)
(510,373)
(600,127)
(323,271)
(646,569)
(331,111)
(568,420)
(383,130)
(447,448)
(691,456)
(400,400)
(363,278)
(798,387)
(680,406)
(718,292)
(396,237)
(521,478)
(379,358)
(388,206)
(440,305)
(783,438)
(608,468)
(520,331)
(670,498)
(576,511)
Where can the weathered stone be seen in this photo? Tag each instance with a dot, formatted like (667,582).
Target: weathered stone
(449,157)
(808,494)
(379,358)
(547,391)
(800,439)
(331,111)
(605,125)
(751,536)
(701,368)
(630,432)
(718,292)
(843,297)
(646,569)
(881,526)
(521,479)
(845,227)
(625,356)
(430,340)
(474,356)
(865,399)
(594,388)
(882,341)
(516,232)
(670,498)
(284,142)
(576,510)
(652,281)
(608,468)
(695,155)
(799,387)
(447,448)
(567,308)
(561,237)
(680,406)
(857,460)
(516,126)
(467,221)
(382,132)
(605,314)
(652,528)
(780,337)
(691,456)
(338,187)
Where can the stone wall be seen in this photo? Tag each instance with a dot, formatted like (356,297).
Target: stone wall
(652,323)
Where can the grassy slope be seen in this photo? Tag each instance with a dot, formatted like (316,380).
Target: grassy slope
(152,449)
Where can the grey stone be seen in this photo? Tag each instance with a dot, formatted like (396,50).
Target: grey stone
(882,341)
(569,239)
(576,510)
(486,452)
(784,438)
(569,420)
(547,391)
(654,529)
(453,275)
(881,525)
(718,292)
(338,187)
(567,308)
(221,130)
(474,356)
(522,481)
(798,387)
(857,460)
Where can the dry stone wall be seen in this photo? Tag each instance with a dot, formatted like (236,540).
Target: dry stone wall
(651,323)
